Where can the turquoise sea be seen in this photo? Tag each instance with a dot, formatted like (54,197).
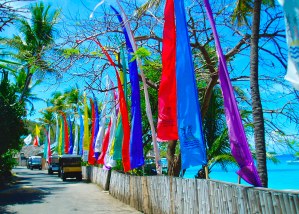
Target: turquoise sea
(281,176)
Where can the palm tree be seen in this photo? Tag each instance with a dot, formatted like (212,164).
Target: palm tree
(28,97)
(243,9)
(37,38)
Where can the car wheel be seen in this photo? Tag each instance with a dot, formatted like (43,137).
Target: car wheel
(79,178)
(63,177)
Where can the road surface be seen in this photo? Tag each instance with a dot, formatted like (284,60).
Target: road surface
(37,192)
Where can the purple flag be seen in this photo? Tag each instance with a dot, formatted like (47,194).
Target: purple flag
(238,141)
(71,146)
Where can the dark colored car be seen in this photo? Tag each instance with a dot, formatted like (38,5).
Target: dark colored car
(35,162)
(53,164)
(70,167)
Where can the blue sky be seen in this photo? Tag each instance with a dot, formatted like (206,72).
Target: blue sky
(71,8)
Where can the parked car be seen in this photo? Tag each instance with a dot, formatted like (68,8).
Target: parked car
(53,164)
(70,167)
(35,162)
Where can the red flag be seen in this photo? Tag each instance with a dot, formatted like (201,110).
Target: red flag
(35,141)
(105,145)
(167,128)
(66,135)
(49,145)
(91,158)
(126,126)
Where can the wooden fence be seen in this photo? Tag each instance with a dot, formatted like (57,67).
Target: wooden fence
(163,194)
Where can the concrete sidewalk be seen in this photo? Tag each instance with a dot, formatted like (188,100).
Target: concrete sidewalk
(37,192)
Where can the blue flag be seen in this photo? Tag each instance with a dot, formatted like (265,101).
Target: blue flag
(81,134)
(96,121)
(136,146)
(193,151)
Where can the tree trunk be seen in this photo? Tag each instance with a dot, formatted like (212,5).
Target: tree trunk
(26,86)
(257,110)
(170,156)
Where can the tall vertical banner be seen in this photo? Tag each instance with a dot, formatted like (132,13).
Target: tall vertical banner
(96,121)
(76,139)
(57,130)
(46,146)
(36,139)
(238,142)
(167,128)
(136,146)
(193,151)
(105,145)
(71,141)
(86,138)
(81,138)
(49,143)
(60,141)
(291,13)
(91,159)
(66,134)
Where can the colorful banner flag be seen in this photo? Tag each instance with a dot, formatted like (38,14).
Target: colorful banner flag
(105,145)
(76,139)
(81,138)
(136,146)
(61,137)
(193,151)
(86,138)
(108,160)
(28,139)
(36,138)
(49,144)
(238,141)
(291,13)
(96,121)
(45,145)
(71,143)
(101,134)
(57,132)
(167,128)
(91,157)
(65,134)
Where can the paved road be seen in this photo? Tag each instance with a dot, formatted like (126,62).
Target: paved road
(37,192)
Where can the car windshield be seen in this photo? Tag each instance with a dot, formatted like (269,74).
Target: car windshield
(36,160)
(71,162)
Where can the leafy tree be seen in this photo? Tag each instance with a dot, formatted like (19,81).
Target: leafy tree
(30,49)
(11,121)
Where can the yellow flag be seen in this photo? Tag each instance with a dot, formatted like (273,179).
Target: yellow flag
(86,139)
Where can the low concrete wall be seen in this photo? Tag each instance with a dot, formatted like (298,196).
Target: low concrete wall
(97,175)
(164,194)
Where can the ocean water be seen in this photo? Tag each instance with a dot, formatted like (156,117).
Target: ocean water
(281,176)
